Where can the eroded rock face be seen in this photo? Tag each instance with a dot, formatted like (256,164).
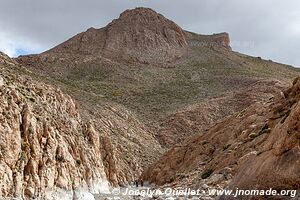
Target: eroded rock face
(259,145)
(138,35)
(214,41)
(127,146)
(52,149)
(46,148)
(145,35)
(277,165)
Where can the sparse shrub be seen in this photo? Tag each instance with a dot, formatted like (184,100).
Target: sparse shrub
(207,173)
(180,175)
(78,162)
(264,129)
(30,129)
(25,145)
(173,178)
(208,159)
(23,156)
(226,147)
(31,99)
(253,135)
(117,93)
(285,116)
(59,158)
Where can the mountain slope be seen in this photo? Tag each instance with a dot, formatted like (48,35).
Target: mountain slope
(257,148)
(155,69)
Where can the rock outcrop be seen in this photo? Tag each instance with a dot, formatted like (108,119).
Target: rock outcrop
(52,147)
(138,35)
(260,146)
(277,164)
(128,146)
(47,151)
(214,41)
(145,35)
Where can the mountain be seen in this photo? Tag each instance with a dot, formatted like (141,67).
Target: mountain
(138,35)
(151,97)
(129,62)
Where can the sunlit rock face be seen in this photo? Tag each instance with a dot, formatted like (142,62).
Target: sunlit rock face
(45,145)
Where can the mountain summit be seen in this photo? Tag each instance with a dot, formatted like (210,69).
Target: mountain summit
(145,34)
(139,34)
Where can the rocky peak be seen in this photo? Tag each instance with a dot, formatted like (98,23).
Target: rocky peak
(145,35)
(147,29)
(138,35)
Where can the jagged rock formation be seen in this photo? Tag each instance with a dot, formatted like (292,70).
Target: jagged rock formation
(128,146)
(253,149)
(145,35)
(46,151)
(51,148)
(276,165)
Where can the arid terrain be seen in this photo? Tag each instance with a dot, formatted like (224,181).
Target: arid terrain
(141,98)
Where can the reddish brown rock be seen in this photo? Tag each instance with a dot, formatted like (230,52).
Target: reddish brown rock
(260,145)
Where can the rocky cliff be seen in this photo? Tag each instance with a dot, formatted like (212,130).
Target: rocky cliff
(256,148)
(53,147)
(46,149)
(128,146)
(214,41)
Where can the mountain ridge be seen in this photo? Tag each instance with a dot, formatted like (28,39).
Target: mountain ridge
(139,35)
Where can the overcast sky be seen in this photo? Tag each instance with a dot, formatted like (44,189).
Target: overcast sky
(266,28)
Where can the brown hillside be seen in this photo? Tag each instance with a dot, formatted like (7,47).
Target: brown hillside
(254,149)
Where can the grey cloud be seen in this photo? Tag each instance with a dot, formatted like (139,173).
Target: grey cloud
(271,27)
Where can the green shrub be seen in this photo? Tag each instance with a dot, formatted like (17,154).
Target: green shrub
(206,173)
(285,116)
(226,147)
(78,162)
(59,158)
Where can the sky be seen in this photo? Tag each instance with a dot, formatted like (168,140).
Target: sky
(266,28)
